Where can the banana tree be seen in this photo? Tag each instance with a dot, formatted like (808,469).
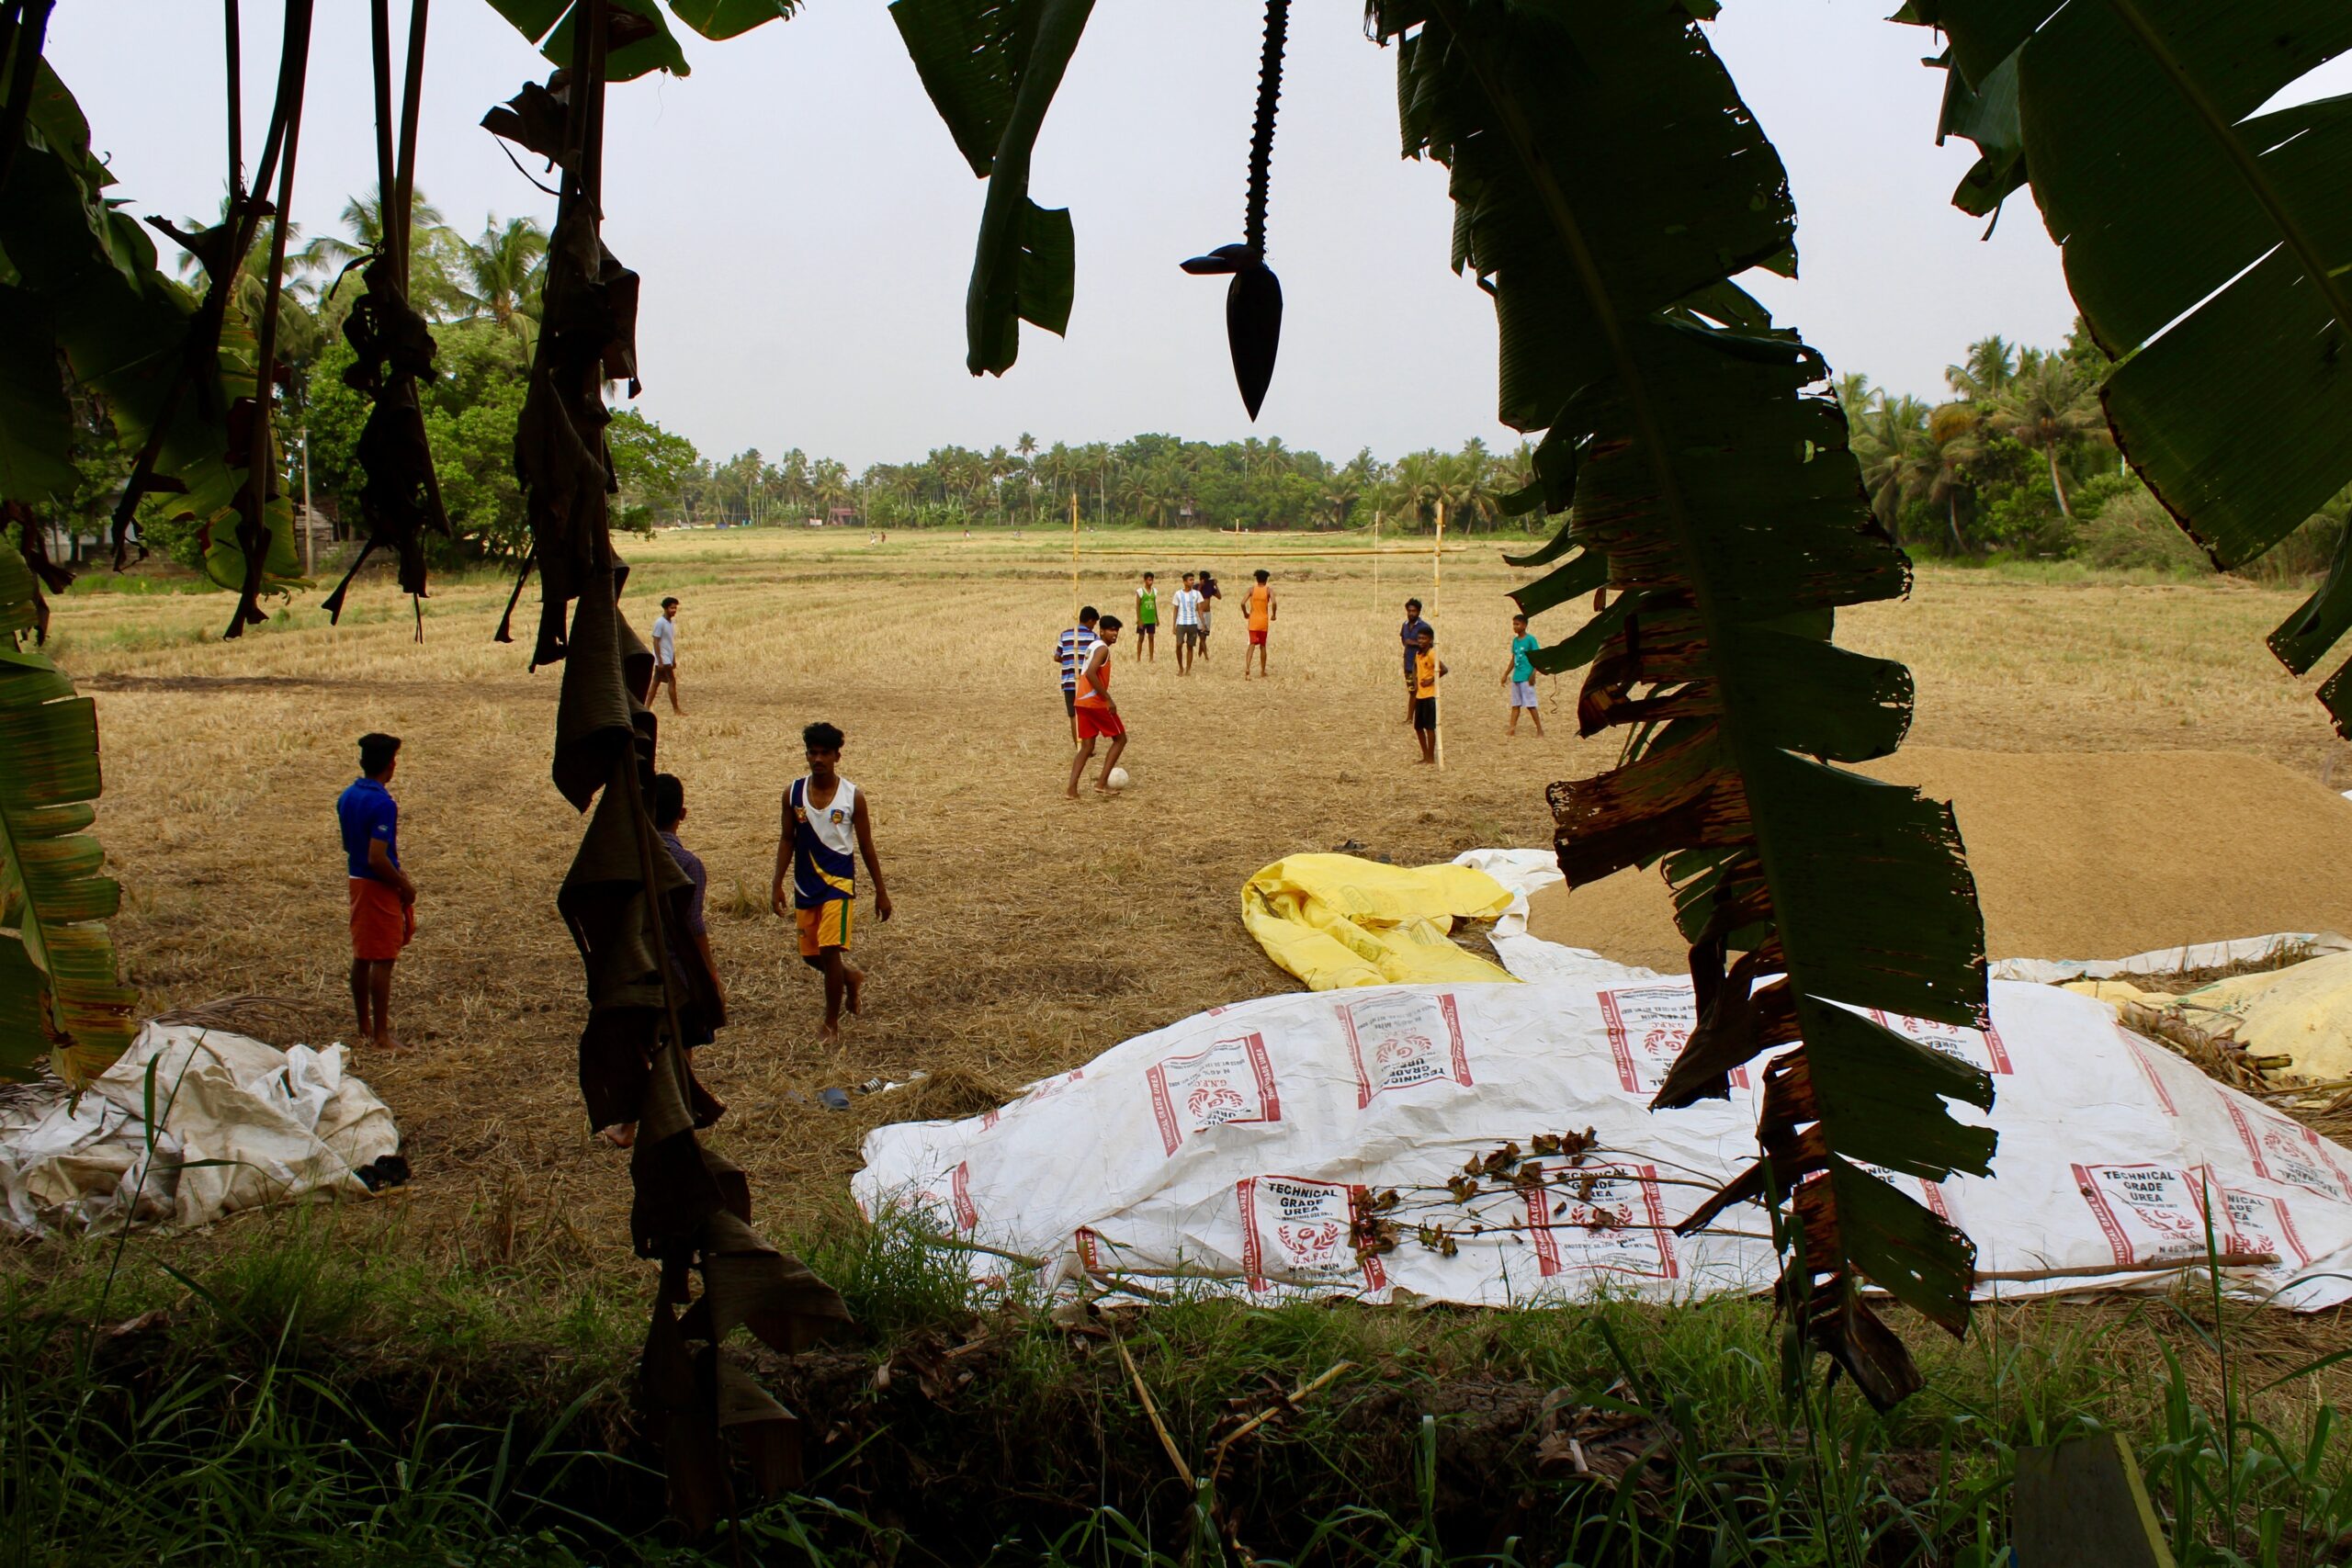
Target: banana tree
(183,379)
(623,898)
(58,997)
(2208,244)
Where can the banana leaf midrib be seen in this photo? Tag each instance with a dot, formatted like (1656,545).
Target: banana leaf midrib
(1638,400)
(2249,166)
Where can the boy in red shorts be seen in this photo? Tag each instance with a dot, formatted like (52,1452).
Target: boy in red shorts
(383,899)
(1098,716)
(826,828)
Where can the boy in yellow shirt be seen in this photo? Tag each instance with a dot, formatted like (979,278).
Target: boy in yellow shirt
(1422,708)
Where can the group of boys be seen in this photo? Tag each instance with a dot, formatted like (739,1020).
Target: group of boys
(826,824)
(1083,653)
(1423,669)
(827,828)
(1193,609)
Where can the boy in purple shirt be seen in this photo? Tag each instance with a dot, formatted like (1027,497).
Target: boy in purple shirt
(702,1000)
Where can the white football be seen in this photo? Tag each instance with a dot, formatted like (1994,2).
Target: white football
(1118,779)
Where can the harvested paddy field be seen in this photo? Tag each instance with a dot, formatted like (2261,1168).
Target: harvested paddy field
(1031,933)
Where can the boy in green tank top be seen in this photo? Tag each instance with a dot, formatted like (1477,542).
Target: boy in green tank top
(1147,619)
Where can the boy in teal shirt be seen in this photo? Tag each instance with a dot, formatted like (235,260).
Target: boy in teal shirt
(1520,677)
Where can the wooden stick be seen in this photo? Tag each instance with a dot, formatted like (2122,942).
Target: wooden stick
(1176,1458)
(1437,552)
(1290,1402)
(1073,560)
(1375,558)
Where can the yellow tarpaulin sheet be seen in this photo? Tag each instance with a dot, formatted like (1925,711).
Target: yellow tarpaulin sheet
(1336,920)
(2303,1012)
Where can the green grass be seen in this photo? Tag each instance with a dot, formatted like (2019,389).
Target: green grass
(304,1389)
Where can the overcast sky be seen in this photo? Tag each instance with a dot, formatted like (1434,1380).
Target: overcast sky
(804,224)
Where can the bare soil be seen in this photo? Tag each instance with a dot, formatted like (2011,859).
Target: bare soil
(1031,933)
(2095,854)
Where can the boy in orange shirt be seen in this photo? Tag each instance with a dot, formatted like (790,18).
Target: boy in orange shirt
(1098,715)
(1261,621)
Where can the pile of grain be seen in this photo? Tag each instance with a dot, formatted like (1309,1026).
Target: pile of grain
(2076,856)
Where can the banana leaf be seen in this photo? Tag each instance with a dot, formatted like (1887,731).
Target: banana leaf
(88,295)
(991,68)
(2209,247)
(60,998)
(1608,183)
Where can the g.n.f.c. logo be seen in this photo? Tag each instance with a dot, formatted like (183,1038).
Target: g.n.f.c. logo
(838,816)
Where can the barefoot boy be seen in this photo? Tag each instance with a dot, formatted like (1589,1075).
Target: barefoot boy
(1148,621)
(1068,650)
(1423,707)
(1520,677)
(1188,624)
(665,655)
(1262,612)
(383,899)
(1098,716)
(826,828)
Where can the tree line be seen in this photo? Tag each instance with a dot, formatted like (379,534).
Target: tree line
(2018,462)
(482,297)
(1152,480)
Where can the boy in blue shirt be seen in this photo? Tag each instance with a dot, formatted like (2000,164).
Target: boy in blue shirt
(383,899)
(1520,677)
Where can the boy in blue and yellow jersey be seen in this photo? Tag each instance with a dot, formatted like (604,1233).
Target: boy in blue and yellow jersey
(826,828)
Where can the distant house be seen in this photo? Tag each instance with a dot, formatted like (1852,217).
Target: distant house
(841,516)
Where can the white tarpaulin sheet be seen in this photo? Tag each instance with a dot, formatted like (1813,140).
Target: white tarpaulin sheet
(1252,1146)
(239,1123)
(1532,958)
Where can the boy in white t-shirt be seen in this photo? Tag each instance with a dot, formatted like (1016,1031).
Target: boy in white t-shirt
(1188,622)
(666,656)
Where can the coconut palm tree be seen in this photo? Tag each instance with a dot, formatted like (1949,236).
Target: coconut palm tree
(298,333)
(1991,365)
(363,223)
(1855,396)
(1138,493)
(1955,430)
(1001,465)
(1898,461)
(1515,469)
(434,257)
(2047,407)
(1341,493)
(503,271)
(829,482)
(1420,483)
(1466,485)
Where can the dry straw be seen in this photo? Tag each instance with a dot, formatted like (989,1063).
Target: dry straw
(1031,934)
